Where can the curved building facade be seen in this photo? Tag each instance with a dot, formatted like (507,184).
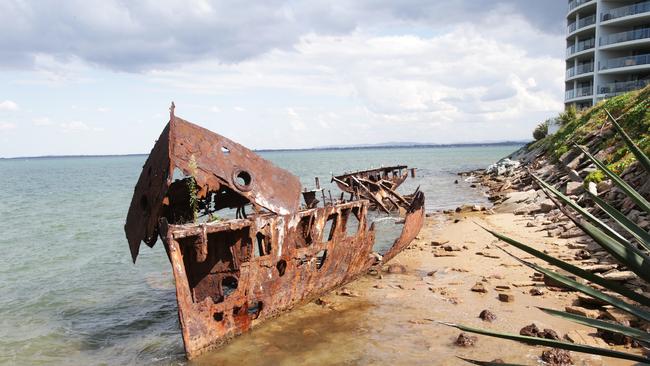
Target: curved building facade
(608,49)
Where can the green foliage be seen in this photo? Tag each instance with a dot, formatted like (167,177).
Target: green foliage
(625,251)
(193,189)
(541,130)
(633,113)
(596,176)
(568,116)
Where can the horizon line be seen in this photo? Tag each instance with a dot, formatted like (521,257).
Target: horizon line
(407,145)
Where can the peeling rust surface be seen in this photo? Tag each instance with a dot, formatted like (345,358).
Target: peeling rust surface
(232,274)
(217,164)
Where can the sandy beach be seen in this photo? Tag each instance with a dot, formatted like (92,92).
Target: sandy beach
(390,317)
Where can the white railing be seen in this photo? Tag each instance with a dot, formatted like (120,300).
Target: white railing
(617,88)
(627,61)
(624,11)
(625,36)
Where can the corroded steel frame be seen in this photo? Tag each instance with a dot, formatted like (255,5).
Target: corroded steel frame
(232,275)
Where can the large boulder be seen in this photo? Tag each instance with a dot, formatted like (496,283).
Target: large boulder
(503,167)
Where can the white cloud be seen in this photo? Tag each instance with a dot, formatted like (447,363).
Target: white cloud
(42,121)
(294,119)
(418,88)
(74,126)
(8,105)
(4,126)
(239,109)
(103,109)
(215,109)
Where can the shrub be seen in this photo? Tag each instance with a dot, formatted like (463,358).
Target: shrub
(541,130)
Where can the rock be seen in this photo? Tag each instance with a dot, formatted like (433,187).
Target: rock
(487,315)
(574,176)
(546,206)
(396,268)
(432,273)
(599,268)
(505,297)
(347,292)
(616,338)
(438,243)
(535,291)
(619,276)
(476,208)
(465,340)
(592,188)
(584,337)
(451,248)
(588,300)
(582,254)
(574,188)
(309,332)
(557,357)
(603,186)
(530,224)
(529,330)
(504,166)
(549,334)
(582,311)
(444,254)
(619,316)
(479,287)
(576,246)
(456,181)
(572,233)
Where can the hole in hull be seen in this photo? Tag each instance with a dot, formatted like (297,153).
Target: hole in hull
(320,258)
(281,266)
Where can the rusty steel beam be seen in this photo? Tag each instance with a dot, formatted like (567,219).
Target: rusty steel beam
(233,274)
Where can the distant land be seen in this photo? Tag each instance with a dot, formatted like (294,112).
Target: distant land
(383,145)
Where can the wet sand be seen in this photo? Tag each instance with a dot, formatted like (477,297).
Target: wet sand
(387,319)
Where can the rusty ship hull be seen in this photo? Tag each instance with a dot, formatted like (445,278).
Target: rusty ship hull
(231,275)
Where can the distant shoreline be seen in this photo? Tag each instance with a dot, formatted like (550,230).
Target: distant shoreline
(324,148)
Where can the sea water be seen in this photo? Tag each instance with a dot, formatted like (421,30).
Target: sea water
(69,293)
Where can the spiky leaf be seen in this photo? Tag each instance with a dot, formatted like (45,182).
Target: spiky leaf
(610,285)
(626,188)
(600,324)
(553,343)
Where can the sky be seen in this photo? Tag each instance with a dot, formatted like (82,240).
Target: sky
(97,77)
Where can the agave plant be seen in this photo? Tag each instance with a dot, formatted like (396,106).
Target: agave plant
(633,254)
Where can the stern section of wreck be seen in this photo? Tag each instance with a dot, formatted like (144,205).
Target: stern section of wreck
(232,274)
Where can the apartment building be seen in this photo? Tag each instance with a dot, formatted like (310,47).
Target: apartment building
(608,49)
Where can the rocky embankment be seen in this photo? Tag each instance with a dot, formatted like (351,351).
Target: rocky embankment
(512,189)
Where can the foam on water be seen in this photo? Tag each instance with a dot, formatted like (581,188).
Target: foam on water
(70,294)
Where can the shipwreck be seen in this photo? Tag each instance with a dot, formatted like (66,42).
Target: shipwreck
(274,254)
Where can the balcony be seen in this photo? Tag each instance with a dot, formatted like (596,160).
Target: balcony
(625,36)
(584,91)
(628,61)
(613,89)
(575,3)
(625,11)
(584,22)
(579,70)
(581,46)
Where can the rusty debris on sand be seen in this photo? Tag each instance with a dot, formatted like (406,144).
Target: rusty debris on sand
(231,274)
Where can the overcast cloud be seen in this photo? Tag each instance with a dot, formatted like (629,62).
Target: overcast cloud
(395,70)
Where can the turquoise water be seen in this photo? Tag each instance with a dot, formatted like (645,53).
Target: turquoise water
(69,293)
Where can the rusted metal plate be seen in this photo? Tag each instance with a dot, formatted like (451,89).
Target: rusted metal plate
(215,162)
(230,275)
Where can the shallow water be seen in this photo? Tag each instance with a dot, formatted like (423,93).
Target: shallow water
(70,294)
